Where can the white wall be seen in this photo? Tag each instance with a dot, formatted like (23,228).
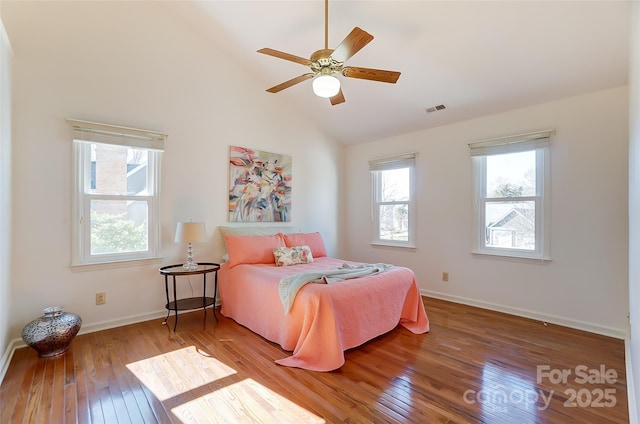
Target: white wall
(96,61)
(5,196)
(585,284)
(634,214)
(134,64)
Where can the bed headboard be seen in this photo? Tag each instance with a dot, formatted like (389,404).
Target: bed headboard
(256,231)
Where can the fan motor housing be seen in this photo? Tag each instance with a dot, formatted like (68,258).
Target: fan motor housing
(320,54)
(321,61)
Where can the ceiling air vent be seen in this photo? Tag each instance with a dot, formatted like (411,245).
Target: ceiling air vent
(435,108)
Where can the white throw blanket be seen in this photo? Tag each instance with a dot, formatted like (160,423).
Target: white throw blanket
(289,286)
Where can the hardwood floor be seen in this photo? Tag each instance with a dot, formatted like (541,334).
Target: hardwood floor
(474,366)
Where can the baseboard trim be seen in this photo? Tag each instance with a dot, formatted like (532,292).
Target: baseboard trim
(552,319)
(631,395)
(6,358)
(131,319)
(86,328)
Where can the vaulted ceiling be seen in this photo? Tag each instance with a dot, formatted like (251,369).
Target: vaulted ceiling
(475,57)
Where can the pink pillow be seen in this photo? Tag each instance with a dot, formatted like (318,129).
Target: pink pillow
(313,240)
(252,249)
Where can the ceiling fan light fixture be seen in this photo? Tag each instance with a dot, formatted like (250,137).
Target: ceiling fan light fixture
(326,86)
(324,63)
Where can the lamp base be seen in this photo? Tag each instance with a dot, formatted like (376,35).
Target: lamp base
(190,266)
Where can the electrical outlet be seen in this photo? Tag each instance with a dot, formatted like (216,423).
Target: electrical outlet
(101,298)
(445,276)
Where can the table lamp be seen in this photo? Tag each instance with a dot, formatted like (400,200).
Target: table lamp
(190,232)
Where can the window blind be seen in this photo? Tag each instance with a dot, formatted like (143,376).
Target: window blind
(511,144)
(394,162)
(94,132)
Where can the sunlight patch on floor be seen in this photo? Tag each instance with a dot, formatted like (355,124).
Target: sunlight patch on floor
(246,401)
(174,373)
(179,378)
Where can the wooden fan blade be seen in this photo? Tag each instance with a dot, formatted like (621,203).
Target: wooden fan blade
(292,81)
(285,56)
(352,44)
(337,99)
(371,74)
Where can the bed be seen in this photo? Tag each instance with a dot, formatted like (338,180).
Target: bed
(324,320)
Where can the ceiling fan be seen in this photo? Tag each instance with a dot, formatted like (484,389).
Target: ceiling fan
(326,63)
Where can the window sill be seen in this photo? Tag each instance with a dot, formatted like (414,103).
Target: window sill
(512,258)
(114,264)
(383,244)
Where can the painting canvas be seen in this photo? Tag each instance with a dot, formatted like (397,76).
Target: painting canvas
(259,186)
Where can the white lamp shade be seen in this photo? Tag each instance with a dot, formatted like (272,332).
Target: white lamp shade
(326,85)
(190,232)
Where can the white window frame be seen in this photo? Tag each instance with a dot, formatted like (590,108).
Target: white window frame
(386,164)
(538,142)
(84,134)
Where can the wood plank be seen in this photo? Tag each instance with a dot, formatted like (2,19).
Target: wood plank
(120,379)
(80,370)
(18,380)
(70,390)
(212,371)
(58,390)
(139,349)
(93,381)
(34,394)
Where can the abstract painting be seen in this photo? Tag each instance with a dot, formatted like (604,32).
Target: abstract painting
(259,186)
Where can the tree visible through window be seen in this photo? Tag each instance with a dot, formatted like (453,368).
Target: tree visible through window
(394,204)
(509,215)
(118,226)
(511,180)
(116,203)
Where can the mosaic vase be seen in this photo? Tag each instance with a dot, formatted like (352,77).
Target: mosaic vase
(51,334)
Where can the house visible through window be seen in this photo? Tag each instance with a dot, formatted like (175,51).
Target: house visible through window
(511,180)
(393,200)
(116,193)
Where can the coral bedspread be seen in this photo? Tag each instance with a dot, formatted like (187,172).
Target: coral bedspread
(325,319)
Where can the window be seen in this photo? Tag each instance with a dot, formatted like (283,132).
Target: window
(116,183)
(393,200)
(511,201)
